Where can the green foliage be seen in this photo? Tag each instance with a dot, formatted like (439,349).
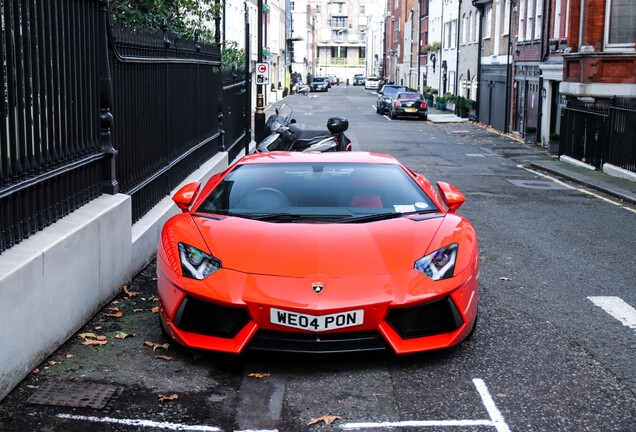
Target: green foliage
(181,16)
(531,129)
(555,137)
(470,103)
(436,46)
(428,96)
(441,99)
(232,56)
(460,102)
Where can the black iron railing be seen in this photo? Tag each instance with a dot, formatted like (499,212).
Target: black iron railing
(91,108)
(597,134)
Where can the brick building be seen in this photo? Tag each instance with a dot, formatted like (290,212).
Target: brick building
(600,58)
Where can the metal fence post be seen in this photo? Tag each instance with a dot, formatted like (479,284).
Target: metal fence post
(109,180)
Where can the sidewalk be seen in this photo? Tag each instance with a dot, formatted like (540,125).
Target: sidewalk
(618,187)
(438,116)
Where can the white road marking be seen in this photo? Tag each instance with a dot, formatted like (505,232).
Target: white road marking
(618,308)
(142,423)
(496,419)
(577,188)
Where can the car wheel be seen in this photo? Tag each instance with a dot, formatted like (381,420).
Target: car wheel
(392,115)
(377,109)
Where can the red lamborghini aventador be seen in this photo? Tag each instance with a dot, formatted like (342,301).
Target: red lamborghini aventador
(325,253)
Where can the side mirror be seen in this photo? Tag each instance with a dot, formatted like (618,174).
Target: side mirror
(451,196)
(184,197)
(292,121)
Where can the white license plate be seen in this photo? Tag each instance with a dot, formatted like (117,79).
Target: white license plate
(410,109)
(317,323)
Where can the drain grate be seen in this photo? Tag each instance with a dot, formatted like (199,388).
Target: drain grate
(80,395)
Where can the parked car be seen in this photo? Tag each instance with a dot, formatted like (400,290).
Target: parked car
(372,83)
(318,252)
(358,79)
(319,84)
(408,104)
(386,96)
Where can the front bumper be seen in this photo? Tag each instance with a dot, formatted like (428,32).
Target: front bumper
(421,315)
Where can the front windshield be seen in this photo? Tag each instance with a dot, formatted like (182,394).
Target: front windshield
(317,192)
(319,80)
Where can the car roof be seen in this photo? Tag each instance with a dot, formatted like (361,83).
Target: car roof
(311,157)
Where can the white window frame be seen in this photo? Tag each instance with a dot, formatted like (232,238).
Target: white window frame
(506,26)
(521,29)
(557,20)
(537,19)
(625,46)
(488,21)
(529,20)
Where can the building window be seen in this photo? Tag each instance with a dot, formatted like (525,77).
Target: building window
(537,20)
(487,21)
(338,52)
(362,9)
(522,20)
(318,8)
(620,23)
(363,52)
(291,5)
(529,20)
(506,17)
(338,22)
(339,35)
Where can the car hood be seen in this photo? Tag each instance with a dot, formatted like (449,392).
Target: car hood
(302,249)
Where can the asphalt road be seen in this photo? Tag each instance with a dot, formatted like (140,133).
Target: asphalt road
(553,350)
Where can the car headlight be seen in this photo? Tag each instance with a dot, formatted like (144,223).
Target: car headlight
(196,264)
(439,264)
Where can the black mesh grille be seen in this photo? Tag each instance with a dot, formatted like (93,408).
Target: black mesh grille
(438,317)
(197,316)
(266,340)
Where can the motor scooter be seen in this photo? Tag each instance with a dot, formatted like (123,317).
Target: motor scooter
(284,135)
(301,88)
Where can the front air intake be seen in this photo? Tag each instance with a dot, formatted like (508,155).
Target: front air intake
(210,319)
(429,319)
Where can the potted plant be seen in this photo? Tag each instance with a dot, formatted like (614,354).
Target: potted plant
(285,91)
(553,143)
(460,106)
(428,97)
(563,43)
(440,102)
(531,135)
(553,44)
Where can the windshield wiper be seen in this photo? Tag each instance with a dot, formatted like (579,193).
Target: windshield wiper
(289,217)
(383,216)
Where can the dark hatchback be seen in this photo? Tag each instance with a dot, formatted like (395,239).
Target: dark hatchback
(319,84)
(386,96)
(408,104)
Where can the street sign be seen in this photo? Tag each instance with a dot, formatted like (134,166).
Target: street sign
(262,73)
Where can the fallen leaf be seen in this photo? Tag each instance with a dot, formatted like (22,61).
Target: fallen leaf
(87,335)
(115,315)
(121,335)
(164,357)
(138,310)
(100,338)
(98,328)
(155,309)
(163,398)
(326,419)
(505,278)
(52,363)
(259,375)
(35,371)
(153,299)
(94,342)
(156,345)
(130,293)
(69,355)
(114,309)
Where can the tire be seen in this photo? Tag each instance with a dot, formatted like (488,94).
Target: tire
(392,115)
(377,109)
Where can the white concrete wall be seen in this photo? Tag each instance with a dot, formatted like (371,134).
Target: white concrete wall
(52,283)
